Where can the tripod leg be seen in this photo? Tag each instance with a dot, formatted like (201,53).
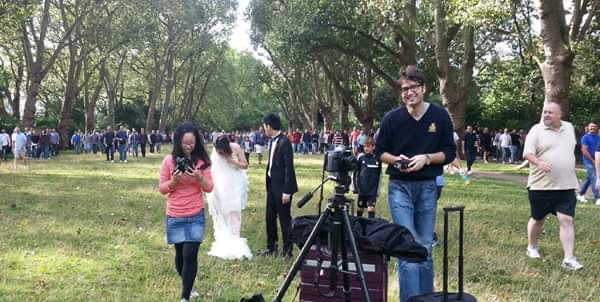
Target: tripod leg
(344,252)
(359,267)
(299,261)
(335,247)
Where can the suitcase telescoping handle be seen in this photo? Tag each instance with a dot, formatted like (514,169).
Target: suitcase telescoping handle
(460,210)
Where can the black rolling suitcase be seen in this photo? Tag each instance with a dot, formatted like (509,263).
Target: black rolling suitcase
(445,296)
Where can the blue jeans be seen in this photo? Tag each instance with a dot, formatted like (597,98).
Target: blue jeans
(513,153)
(306,147)
(413,204)
(505,154)
(45,151)
(122,152)
(590,180)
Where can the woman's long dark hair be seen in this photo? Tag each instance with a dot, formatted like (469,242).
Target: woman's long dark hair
(199,152)
(222,144)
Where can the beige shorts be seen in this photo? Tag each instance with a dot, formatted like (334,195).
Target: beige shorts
(20,154)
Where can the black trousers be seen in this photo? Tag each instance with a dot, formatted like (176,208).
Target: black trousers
(143,147)
(470,153)
(275,208)
(110,153)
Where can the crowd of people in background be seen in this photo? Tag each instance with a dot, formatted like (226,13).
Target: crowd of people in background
(45,144)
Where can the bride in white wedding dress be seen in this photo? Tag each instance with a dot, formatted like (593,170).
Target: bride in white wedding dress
(228,199)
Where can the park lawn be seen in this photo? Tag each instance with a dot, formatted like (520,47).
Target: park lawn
(77,228)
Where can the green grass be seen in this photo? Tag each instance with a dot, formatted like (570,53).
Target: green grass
(76,228)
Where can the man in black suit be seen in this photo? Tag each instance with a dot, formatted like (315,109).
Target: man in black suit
(281,185)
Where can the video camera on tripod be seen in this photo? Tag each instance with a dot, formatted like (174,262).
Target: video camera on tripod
(338,163)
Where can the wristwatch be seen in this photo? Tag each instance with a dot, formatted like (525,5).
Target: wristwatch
(428,158)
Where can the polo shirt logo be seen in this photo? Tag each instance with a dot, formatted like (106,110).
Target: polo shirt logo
(432,128)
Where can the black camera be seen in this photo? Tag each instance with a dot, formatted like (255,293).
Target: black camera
(340,161)
(402,164)
(183,164)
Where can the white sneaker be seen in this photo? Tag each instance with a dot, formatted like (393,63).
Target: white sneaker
(571,264)
(581,198)
(533,253)
(469,172)
(194,294)
(184,300)
(598,202)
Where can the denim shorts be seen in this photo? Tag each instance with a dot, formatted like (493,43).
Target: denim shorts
(185,229)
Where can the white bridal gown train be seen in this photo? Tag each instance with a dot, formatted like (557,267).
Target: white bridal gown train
(225,205)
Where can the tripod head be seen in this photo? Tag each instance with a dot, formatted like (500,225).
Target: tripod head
(338,198)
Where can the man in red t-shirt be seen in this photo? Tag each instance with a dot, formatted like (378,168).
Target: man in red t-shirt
(296,141)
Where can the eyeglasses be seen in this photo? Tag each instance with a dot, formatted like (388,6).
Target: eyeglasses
(412,88)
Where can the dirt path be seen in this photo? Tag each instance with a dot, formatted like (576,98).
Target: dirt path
(501,176)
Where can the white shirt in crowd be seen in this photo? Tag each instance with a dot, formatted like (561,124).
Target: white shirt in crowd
(505,140)
(4,139)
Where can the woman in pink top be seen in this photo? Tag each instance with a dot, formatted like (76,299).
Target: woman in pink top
(184,177)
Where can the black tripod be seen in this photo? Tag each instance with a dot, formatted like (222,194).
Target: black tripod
(338,207)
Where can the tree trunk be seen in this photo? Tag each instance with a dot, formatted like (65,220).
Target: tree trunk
(453,89)
(71,93)
(558,63)
(16,101)
(169,85)
(32,93)
(90,107)
(156,85)
(344,108)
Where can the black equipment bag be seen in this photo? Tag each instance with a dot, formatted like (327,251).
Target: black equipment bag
(444,296)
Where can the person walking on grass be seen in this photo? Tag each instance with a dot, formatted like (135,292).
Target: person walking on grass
(505,143)
(76,142)
(185,212)
(121,139)
(108,142)
(19,143)
(4,144)
(260,141)
(549,148)
(470,148)
(486,145)
(588,150)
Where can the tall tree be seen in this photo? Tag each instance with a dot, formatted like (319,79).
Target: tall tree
(39,58)
(560,40)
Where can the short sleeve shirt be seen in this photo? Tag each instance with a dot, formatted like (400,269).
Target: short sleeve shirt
(556,148)
(20,141)
(591,141)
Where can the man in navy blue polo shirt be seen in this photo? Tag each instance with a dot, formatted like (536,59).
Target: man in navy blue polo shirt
(421,134)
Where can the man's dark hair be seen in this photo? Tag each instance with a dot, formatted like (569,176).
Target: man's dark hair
(199,151)
(411,73)
(272,120)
